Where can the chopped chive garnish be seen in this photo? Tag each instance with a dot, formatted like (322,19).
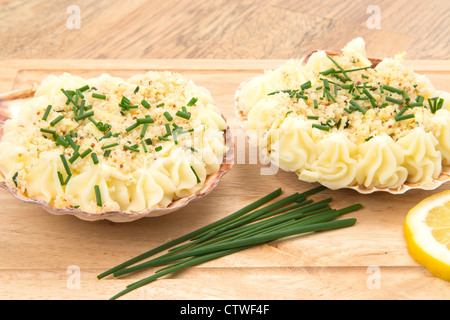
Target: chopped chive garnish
(340,68)
(69,97)
(133,126)
(367,139)
(392,89)
(98,96)
(74,157)
(144,130)
(393,100)
(162,138)
(158,148)
(106,136)
(168,130)
(62,141)
(86,152)
(110,145)
(84,88)
(14,178)
(71,142)
(384,105)
(47,111)
(136,90)
(56,120)
(306,85)
(107,153)
(160,105)
(48,131)
(420,99)
(94,157)
(401,112)
(328,71)
(145,104)
(168,116)
(405,117)
(300,96)
(193,149)
(196,176)
(145,120)
(144,146)
(347,110)
(65,164)
(148,141)
(183,115)
(364,76)
(315,104)
(98,195)
(131,148)
(192,102)
(313,117)
(84,115)
(357,106)
(321,127)
(61,178)
(326,84)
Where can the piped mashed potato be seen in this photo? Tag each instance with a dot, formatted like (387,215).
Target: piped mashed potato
(108,144)
(342,120)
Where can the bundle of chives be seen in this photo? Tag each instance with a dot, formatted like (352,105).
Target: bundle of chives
(245,228)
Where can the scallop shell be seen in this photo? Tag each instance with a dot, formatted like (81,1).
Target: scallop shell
(10,103)
(434,184)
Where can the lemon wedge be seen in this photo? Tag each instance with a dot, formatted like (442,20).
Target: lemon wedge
(427,233)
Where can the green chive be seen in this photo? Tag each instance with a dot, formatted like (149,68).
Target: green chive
(134,125)
(367,139)
(84,88)
(14,178)
(110,145)
(196,176)
(328,71)
(145,104)
(192,102)
(74,157)
(306,85)
(136,90)
(65,164)
(61,178)
(159,148)
(86,152)
(69,97)
(405,117)
(48,131)
(98,195)
(160,105)
(144,130)
(94,158)
(56,120)
(168,116)
(84,115)
(131,148)
(312,117)
(347,110)
(148,141)
(393,100)
(182,114)
(321,127)
(315,104)
(392,89)
(47,111)
(98,96)
(145,120)
(143,146)
(357,106)
(107,153)
(106,136)
(62,141)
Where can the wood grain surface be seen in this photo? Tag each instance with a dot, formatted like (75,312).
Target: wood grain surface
(220,29)
(367,261)
(218,44)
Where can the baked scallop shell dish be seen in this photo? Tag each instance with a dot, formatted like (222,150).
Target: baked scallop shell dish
(349,121)
(108,148)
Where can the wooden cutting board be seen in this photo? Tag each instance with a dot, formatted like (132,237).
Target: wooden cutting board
(58,257)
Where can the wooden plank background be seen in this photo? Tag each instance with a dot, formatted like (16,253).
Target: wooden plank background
(37,248)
